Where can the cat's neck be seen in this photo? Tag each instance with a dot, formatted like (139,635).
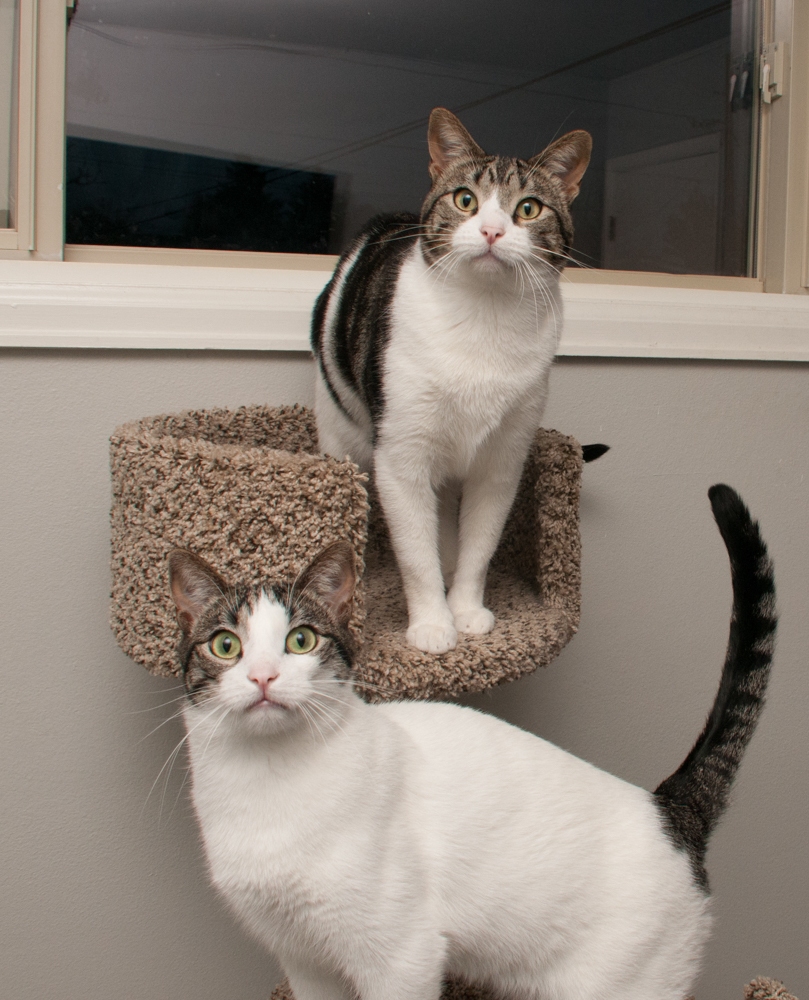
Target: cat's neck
(524,309)
(246,784)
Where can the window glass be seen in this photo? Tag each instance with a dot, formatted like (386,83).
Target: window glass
(250,125)
(9,47)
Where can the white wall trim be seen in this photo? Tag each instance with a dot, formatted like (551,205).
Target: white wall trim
(143,306)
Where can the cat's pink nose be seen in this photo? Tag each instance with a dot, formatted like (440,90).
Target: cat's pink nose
(492,233)
(263,676)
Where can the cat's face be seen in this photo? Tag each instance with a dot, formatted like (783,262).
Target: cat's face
(491,215)
(266,658)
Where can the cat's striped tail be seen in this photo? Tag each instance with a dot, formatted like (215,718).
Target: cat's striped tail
(694,797)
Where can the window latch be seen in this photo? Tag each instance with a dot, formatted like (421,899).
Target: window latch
(773,71)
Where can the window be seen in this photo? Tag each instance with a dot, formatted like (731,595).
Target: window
(255,135)
(284,127)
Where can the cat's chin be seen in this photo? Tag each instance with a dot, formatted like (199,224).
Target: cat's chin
(264,717)
(489,263)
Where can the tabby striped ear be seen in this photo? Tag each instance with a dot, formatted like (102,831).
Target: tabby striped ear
(567,158)
(448,140)
(331,578)
(194,586)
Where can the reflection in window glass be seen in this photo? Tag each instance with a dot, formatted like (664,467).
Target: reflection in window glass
(248,125)
(9,45)
(124,195)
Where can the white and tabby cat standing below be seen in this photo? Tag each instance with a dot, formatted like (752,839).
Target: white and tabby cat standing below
(377,849)
(434,340)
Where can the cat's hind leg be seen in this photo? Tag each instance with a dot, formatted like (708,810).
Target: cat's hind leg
(337,435)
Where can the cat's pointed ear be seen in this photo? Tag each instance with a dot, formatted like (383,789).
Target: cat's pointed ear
(331,578)
(567,158)
(194,586)
(448,140)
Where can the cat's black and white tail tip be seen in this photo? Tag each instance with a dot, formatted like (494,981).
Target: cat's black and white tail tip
(590,452)
(694,797)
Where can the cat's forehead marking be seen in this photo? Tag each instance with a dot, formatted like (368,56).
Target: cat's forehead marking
(267,625)
(509,178)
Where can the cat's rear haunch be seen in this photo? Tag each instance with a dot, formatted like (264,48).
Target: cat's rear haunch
(377,849)
(434,340)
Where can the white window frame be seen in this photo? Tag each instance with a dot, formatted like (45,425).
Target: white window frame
(79,297)
(21,236)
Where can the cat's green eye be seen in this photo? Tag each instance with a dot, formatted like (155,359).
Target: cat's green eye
(528,209)
(301,640)
(225,645)
(465,200)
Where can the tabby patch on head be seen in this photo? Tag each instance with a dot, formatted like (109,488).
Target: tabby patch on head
(264,653)
(499,209)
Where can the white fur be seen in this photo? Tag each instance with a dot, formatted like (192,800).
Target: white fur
(466,381)
(375,849)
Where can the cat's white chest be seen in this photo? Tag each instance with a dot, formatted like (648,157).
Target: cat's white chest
(285,838)
(461,362)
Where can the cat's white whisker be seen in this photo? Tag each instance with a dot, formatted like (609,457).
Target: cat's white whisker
(165,722)
(335,722)
(302,709)
(173,755)
(155,708)
(357,684)
(306,710)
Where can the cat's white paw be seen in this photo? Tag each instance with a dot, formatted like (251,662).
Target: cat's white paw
(475,621)
(432,638)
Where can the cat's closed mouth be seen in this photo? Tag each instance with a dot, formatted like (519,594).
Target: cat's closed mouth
(488,257)
(266,703)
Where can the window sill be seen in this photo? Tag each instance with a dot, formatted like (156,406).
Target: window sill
(143,306)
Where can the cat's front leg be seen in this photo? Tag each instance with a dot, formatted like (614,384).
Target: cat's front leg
(311,983)
(411,510)
(415,974)
(488,494)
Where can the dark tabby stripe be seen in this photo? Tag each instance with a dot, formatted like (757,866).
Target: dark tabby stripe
(362,321)
(693,798)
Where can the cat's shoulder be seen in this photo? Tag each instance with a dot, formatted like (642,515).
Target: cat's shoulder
(386,234)
(390,223)
(447,722)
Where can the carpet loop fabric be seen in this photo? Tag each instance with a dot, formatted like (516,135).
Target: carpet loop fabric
(247,490)
(760,989)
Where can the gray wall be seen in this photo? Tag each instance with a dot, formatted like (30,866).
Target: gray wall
(103,887)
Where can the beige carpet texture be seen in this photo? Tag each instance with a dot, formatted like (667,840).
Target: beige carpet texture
(246,490)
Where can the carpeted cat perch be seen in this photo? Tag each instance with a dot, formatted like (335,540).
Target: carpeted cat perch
(759,989)
(247,490)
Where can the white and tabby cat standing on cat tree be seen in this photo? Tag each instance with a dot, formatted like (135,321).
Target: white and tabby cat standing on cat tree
(434,341)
